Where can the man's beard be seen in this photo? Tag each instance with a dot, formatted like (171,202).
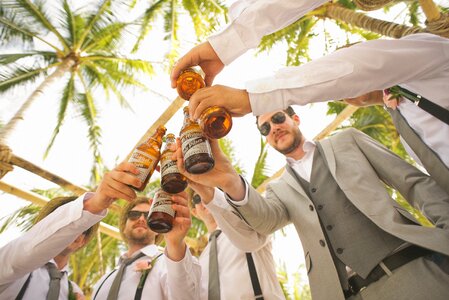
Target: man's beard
(297,138)
(139,238)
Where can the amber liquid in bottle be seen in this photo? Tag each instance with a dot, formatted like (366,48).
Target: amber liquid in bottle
(215,121)
(171,180)
(196,149)
(146,156)
(160,218)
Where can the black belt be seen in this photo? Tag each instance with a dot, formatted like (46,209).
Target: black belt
(394,261)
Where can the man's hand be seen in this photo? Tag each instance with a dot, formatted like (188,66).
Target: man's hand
(235,101)
(202,55)
(222,175)
(175,238)
(390,100)
(115,184)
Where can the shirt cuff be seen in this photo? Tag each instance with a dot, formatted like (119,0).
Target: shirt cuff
(241,202)
(228,45)
(179,269)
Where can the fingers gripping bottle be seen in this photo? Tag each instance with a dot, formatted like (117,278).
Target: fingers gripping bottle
(146,156)
(215,121)
(196,149)
(171,180)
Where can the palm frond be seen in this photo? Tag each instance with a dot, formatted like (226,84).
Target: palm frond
(206,15)
(46,56)
(106,38)
(14,75)
(67,97)
(260,169)
(22,218)
(228,150)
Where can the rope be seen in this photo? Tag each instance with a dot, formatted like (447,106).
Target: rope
(368,5)
(439,27)
(5,158)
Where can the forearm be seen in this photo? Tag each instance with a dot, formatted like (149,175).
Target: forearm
(45,240)
(351,72)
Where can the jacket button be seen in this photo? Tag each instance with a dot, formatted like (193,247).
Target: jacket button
(339,250)
(313,190)
(311,207)
(319,207)
(322,243)
(329,227)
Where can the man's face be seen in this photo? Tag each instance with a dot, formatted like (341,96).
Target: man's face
(136,229)
(285,136)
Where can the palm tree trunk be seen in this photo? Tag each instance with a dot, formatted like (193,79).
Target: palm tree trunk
(375,25)
(6,131)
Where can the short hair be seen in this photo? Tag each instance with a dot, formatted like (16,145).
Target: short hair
(124,217)
(54,203)
(289,111)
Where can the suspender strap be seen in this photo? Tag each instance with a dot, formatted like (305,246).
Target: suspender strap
(432,108)
(24,288)
(143,279)
(253,275)
(96,293)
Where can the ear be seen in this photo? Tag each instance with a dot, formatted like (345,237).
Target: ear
(296,119)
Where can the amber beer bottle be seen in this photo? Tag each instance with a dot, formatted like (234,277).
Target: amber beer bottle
(171,180)
(160,218)
(196,149)
(215,121)
(146,156)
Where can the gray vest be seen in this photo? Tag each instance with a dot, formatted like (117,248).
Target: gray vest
(355,241)
(430,160)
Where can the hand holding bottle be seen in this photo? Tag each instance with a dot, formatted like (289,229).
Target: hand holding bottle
(202,55)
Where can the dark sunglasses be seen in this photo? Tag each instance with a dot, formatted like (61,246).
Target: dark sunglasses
(277,118)
(134,215)
(196,199)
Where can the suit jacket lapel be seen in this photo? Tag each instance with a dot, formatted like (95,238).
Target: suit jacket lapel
(329,156)
(291,178)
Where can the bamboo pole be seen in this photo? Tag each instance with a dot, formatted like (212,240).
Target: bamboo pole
(41,201)
(430,9)
(342,116)
(162,120)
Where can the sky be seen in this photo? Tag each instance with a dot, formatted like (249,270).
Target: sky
(71,158)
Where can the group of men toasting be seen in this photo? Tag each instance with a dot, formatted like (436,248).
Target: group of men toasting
(358,242)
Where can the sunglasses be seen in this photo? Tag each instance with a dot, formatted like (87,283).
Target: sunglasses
(277,118)
(134,215)
(196,199)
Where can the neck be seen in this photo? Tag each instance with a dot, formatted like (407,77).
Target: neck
(298,153)
(133,248)
(61,260)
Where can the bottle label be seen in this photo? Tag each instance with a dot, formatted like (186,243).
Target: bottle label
(194,142)
(145,162)
(168,166)
(162,203)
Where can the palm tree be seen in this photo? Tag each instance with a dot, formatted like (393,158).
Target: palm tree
(205,16)
(76,48)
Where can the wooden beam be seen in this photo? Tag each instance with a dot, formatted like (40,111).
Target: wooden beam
(41,201)
(162,120)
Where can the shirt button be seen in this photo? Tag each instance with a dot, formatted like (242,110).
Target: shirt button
(311,207)
(329,227)
(319,207)
(313,190)
(322,243)
(339,250)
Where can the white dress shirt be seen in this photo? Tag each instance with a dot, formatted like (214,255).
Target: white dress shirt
(167,279)
(45,240)
(235,281)
(346,73)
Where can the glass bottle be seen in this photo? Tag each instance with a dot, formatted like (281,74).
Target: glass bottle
(196,149)
(215,121)
(146,156)
(161,215)
(171,180)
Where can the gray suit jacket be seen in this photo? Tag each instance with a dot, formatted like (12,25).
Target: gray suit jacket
(361,167)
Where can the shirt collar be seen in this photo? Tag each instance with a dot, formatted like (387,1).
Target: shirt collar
(150,251)
(308,147)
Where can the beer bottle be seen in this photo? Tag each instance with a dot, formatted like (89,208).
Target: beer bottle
(161,215)
(146,156)
(196,149)
(171,180)
(215,121)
